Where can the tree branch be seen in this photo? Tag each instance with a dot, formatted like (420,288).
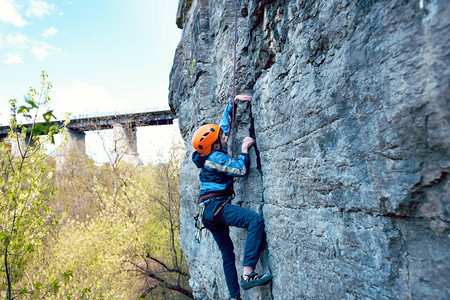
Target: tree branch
(164,283)
(167,268)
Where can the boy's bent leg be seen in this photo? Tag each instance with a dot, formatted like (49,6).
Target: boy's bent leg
(222,238)
(241,217)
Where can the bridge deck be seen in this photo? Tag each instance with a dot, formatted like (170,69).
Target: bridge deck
(164,117)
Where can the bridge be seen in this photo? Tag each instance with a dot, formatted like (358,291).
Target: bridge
(124,127)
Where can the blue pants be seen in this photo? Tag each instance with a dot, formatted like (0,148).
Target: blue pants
(232,215)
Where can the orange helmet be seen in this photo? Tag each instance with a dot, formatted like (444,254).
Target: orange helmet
(204,137)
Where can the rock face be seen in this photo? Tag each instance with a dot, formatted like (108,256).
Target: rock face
(351,116)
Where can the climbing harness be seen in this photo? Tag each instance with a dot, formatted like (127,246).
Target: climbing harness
(219,209)
(205,199)
(226,193)
(234,79)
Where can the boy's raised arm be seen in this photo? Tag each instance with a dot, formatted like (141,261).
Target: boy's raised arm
(226,117)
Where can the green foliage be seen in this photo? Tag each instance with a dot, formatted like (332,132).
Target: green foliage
(164,264)
(85,231)
(25,218)
(120,235)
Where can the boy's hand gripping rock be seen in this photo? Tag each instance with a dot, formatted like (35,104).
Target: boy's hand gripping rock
(246,144)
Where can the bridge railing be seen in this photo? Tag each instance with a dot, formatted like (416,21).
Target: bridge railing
(119,112)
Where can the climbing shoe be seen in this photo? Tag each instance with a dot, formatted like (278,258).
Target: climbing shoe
(254,279)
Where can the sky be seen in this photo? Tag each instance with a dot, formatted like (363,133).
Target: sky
(101,56)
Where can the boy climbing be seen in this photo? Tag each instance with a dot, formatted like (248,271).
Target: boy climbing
(216,191)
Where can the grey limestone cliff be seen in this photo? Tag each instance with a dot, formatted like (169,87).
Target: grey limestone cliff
(350,113)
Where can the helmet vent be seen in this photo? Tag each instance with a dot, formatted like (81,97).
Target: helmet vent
(204,136)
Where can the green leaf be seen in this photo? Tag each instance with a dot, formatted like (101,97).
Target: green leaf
(3,235)
(48,115)
(67,276)
(85,291)
(54,287)
(29,248)
(37,129)
(22,109)
(31,102)
(6,240)
(38,285)
(52,139)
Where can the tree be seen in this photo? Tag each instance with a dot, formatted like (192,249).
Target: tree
(162,265)
(25,218)
(100,225)
(121,217)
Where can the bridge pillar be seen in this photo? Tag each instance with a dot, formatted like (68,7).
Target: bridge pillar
(18,145)
(76,145)
(125,143)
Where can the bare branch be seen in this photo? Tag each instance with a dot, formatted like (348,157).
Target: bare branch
(167,268)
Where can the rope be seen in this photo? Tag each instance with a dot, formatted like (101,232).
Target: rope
(234,79)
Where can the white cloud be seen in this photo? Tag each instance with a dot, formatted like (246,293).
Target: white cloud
(83,98)
(40,8)
(50,32)
(9,14)
(40,53)
(39,49)
(13,59)
(17,41)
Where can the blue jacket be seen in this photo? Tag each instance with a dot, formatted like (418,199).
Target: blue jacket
(218,169)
